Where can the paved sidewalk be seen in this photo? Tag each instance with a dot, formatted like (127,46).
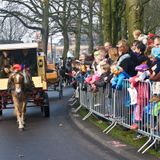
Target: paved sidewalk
(108,142)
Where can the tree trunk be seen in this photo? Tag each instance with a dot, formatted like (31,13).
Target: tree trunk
(78,43)
(134,16)
(114,22)
(78,33)
(65,31)
(90,28)
(107,22)
(100,16)
(66,43)
(45,27)
(123,30)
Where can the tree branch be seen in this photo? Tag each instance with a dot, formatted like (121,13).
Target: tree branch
(22,21)
(145,1)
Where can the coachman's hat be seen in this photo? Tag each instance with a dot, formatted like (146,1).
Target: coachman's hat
(17,67)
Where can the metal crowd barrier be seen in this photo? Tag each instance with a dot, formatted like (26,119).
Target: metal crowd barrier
(117,106)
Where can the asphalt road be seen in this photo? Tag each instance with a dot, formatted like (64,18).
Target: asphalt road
(54,138)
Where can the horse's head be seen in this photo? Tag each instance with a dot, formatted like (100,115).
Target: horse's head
(18,82)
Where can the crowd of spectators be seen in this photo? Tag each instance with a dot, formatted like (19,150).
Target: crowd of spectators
(138,62)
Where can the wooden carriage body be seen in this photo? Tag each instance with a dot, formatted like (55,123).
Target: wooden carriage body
(15,50)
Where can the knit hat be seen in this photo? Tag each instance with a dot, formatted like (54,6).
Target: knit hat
(143,38)
(96,53)
(17,67)
(151,35)
(150,38)
(155,53)
(141,67)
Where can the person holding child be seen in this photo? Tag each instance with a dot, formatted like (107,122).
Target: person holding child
(123,69)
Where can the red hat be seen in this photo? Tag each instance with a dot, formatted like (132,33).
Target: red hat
(151,35)
(17,67)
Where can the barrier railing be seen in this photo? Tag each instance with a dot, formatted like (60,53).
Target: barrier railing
(134,111)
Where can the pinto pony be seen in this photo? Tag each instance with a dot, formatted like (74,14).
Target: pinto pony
(16,86)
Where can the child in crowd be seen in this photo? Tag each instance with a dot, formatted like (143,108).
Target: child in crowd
(143,38)
(139,98)
(98,56)
(136,34)
(142,74)
(151,37)
(97,79)
(105,76)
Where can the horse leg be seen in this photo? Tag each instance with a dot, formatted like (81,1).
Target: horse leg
(19,120)
(23,111)
(17,107)
(16,110)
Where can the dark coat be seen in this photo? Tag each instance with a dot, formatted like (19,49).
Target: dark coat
(104,79)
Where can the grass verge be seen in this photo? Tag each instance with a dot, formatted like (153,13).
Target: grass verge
(119,132)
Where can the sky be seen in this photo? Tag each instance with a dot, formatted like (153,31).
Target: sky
(30,36)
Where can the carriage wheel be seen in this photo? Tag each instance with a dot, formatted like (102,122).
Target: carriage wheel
(45,108)
(1,112)
(60,88)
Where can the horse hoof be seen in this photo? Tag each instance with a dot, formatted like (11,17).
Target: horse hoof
(21,129)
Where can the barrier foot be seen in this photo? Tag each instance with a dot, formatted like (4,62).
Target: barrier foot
(77,109)
(150,146)
(150,138)
(108,127)
(111,127)
(87,116)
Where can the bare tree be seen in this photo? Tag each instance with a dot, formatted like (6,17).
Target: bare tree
(33,14)
(12,29)
(151,16)
(65,19)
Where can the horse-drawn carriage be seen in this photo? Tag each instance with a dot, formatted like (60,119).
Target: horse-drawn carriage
(41,76)
(54,79)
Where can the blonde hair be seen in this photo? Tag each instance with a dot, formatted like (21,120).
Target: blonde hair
(136,33)
(105,66)
(124,43)
(113,54)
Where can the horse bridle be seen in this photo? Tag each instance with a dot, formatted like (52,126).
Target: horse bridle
(14,75)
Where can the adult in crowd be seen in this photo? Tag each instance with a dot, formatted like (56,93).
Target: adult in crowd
(107,46)
(113,55)
(124,60)
(68,71)
(123,69)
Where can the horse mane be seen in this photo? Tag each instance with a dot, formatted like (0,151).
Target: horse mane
(28,83)
(26,76)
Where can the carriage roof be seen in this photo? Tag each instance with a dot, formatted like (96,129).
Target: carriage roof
(18,46)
